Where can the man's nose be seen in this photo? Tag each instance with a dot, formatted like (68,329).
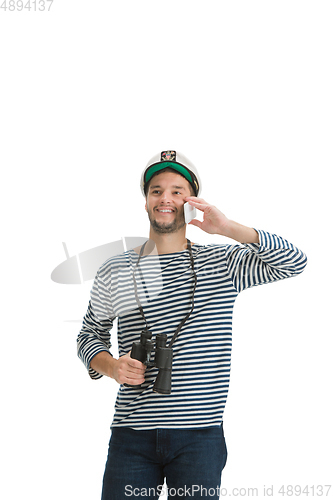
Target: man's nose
(166,197)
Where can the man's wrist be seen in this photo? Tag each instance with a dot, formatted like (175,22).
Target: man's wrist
(104,363)
(240,233)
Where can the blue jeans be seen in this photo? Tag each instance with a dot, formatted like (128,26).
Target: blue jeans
(191,460)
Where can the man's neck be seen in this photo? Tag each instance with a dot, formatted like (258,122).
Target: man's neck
(168,242)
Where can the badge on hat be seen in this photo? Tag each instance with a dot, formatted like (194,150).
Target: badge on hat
(168,156)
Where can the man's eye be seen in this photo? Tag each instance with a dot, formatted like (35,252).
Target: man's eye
(155,191)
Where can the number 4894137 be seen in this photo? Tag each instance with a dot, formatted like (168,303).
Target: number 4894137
(29,5)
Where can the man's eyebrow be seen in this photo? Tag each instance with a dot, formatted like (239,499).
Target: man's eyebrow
(157,186)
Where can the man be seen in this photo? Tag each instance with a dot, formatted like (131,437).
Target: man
(186,291)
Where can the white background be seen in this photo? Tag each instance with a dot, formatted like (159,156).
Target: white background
(89,91)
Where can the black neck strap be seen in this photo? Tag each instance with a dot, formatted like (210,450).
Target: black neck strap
(189,248)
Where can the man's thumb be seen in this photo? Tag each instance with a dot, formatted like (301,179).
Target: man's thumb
(195,222)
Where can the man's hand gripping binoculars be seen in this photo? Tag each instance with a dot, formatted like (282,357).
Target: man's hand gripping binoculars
(142,351)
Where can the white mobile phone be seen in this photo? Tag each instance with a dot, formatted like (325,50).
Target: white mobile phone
(189,212)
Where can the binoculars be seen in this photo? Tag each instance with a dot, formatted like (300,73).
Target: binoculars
(142,351)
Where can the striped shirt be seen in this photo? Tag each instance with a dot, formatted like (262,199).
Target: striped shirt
(202,350)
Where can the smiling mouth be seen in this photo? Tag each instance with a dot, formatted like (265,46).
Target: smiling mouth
(165,210)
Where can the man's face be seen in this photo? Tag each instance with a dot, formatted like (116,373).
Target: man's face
(165,201)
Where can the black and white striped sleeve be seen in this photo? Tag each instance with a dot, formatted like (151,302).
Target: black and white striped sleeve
(272,259)
(94,336)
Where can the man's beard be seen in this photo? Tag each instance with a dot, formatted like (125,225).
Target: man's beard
(171,227)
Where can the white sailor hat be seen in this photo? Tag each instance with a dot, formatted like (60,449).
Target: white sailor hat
(175,160)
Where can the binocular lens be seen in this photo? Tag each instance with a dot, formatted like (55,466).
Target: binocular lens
(163,361)
(163,382)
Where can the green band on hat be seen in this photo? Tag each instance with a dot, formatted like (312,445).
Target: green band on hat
(161,166)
